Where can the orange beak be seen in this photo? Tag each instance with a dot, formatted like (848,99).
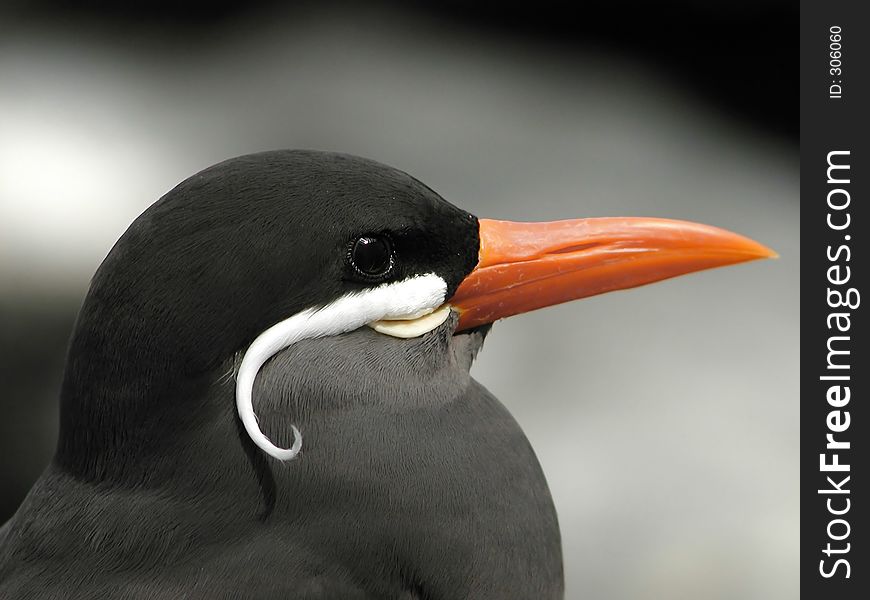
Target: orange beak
(526,266)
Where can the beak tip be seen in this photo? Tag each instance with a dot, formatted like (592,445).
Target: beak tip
(740,245)
(760,251)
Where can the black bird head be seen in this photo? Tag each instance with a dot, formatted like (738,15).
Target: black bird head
(356,273)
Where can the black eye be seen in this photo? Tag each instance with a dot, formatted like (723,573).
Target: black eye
(371,256)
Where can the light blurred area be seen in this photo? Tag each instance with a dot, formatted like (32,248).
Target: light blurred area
(666,418)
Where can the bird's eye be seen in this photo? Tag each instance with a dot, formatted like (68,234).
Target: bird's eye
(371,256)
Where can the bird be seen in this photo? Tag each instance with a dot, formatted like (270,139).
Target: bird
(267,392)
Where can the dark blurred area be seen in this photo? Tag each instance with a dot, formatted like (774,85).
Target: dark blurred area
(739,55)
(685,109)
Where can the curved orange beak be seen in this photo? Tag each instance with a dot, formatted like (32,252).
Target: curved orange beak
(526,266)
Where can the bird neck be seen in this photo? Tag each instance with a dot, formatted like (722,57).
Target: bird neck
(128,389)
(141,361)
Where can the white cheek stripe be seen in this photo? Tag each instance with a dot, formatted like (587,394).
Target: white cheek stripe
(420,294)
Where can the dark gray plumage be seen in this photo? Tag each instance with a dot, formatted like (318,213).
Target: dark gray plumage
(414,482)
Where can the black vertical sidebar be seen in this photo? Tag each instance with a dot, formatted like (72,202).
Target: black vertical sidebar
(835,363)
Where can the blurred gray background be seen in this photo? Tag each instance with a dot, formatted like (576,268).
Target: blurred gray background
(666,418)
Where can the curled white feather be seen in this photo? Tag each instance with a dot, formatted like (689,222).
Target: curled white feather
(416,295)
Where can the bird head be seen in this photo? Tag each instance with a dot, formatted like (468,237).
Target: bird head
(296,249)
